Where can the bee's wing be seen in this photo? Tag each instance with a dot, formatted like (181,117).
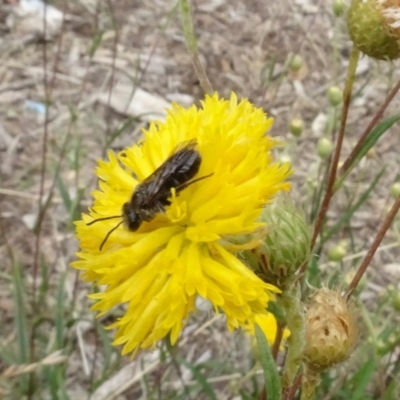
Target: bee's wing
(177,163)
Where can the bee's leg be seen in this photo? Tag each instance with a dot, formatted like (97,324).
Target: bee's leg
(185,185)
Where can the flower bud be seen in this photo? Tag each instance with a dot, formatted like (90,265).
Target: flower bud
(331,330)
(336,253)
(286,246)
(374,27)
(296,62)
(338,7)
(395,299)
(296,127)
(371,153)
(395,190)
(335,95)
(324,147)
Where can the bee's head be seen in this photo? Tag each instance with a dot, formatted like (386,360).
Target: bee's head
(132,220)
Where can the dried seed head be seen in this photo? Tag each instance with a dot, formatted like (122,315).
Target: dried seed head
(331,330)
(374,27)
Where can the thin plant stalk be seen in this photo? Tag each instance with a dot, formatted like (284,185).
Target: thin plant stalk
(351,74)
(374,246)
(289,395)
(350,159)
(191,43)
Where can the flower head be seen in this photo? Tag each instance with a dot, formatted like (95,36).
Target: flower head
(331,330)
(184,249)
(286,247)
(374,27)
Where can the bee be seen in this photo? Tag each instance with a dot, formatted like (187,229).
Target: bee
(151,196)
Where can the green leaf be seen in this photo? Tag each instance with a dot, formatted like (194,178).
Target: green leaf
(271,376)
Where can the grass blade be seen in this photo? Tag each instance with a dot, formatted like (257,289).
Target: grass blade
(362,379)
(64,193)
(60,313)
(201,379)
(370,142)
(21,325)
(345,218)
(271,376)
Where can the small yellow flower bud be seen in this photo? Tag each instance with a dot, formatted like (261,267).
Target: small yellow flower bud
(395,190)
(331,330)
(338,7)
(324,147)
(381,347)
(296,127)
(336,253)
(296,62)
(374,27)
(371,153)
(335,95)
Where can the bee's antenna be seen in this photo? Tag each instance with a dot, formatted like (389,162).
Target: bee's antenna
(108,234)
(103,219)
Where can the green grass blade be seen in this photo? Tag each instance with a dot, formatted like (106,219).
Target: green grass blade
(200,378)
(60,313)
(271,376)
(345,218)
(44,284)
(21,325)
(123,128)
(63,193)
(362,379)
(370,141)
(106,348)
(96,42)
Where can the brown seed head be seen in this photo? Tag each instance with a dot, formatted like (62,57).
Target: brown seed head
(331,330)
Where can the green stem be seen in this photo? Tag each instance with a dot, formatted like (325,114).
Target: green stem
(191,43)
(311,380)
(293,306)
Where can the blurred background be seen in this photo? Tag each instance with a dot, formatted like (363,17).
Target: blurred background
(78,78)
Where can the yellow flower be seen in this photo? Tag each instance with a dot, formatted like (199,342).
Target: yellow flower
(268,325)
(159,269)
